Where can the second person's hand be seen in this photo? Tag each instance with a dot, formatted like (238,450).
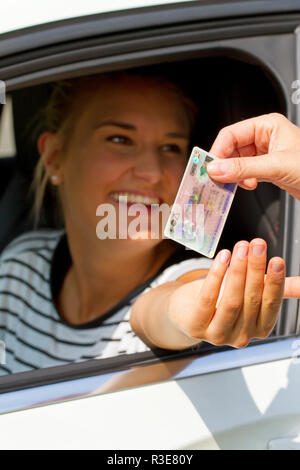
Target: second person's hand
(270,147)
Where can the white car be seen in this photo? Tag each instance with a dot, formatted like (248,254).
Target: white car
(238,59)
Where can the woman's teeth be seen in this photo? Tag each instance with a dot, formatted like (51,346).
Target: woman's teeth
(134,198)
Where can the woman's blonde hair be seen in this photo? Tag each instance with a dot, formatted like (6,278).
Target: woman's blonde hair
(59,115)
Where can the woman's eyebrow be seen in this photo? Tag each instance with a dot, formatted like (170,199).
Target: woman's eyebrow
(128,126)
(123,125)
(177,135)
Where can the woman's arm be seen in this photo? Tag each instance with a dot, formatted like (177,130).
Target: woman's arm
(179,314)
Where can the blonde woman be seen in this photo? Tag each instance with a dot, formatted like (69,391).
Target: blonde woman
(68,296)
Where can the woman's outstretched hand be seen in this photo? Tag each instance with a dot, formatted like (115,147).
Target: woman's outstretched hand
(238,300)
(246,308)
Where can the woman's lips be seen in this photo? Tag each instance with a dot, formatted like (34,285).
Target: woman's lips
(149,208)
(128,197)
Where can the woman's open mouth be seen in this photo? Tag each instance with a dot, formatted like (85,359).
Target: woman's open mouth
(130,198)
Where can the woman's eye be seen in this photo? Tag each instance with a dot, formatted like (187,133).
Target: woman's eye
(119,139)
(172,148)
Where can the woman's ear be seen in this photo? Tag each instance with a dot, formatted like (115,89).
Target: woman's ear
(49,147)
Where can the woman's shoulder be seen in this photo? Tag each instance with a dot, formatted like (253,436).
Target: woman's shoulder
(35,241)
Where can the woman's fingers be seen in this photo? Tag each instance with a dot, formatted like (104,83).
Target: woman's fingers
(256,268)
(250,303)
(209,293)
(220,329)
(272,297)
(247,299)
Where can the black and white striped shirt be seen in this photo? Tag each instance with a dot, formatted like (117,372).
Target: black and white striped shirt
(32,269)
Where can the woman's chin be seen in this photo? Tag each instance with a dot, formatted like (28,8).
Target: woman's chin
(145,236)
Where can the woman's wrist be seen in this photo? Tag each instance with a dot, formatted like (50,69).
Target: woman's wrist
(177,324)
(154,322)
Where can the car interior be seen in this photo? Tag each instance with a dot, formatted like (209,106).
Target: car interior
(226,90)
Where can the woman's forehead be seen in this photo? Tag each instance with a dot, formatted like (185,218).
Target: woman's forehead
(134,98)
(125,89)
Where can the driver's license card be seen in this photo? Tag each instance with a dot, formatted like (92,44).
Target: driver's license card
(201,207)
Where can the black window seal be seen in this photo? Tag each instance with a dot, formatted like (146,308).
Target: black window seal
(114,45)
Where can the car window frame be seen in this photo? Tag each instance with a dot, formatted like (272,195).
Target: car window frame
(51,385)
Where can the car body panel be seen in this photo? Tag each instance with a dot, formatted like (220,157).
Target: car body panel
(242,408)
(236,399)
(134,374)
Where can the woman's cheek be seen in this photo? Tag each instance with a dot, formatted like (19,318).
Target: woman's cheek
(106,161)
(176,172)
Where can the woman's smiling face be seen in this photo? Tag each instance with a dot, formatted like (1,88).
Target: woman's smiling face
(129,139)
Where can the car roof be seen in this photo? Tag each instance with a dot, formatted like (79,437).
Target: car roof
(18,15)
(32,14)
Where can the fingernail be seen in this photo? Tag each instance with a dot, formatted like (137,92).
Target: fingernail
(242,251)
(219,168)
(224,256)
(258,250)
(277,267)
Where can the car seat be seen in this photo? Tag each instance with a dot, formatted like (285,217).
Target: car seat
(16,172)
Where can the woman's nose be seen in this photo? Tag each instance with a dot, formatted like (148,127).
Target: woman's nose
(148,165)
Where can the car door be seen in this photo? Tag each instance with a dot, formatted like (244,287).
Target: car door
(206,397)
